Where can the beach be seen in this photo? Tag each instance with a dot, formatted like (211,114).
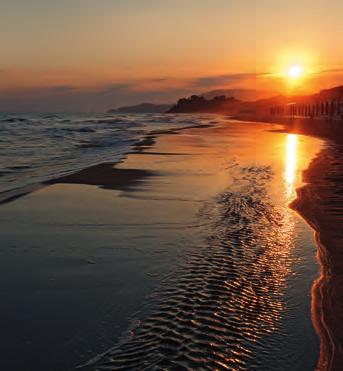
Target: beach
(171,185)
(320,203)
(183,254)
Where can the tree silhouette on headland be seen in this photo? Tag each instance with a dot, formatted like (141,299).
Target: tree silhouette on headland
(197,103)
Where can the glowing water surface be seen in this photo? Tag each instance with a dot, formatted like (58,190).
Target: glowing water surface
(241,298)
(291,163)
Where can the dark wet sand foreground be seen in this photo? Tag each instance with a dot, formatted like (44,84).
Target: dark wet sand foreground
(320,202)
(185,255)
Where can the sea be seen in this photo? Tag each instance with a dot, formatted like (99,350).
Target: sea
(38,147)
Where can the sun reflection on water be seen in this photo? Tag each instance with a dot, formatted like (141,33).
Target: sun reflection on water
(228,303)
(291,164)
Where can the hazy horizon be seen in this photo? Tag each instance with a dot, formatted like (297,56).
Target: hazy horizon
(91,56)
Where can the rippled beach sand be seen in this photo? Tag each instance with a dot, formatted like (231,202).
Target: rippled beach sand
(191,260)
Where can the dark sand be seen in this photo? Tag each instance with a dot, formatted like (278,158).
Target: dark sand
(320,202)
(106,176)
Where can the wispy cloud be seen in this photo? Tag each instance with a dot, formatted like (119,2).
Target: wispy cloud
(93,99)
(219,80)
(332,70)
(61,89)
(160,89)
(69,97)
(227,79)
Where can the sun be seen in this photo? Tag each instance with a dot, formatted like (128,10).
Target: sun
(295,71)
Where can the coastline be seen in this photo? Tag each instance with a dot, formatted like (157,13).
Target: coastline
(114,358)
(320,203)
(328,130)
(103,174)
(203,186)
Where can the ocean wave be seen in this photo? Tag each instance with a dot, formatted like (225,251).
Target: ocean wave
(21,120)
(58,143)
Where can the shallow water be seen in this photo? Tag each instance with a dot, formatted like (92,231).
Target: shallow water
(38,147)
(203,266)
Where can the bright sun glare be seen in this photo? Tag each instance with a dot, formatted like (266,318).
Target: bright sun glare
(295,71)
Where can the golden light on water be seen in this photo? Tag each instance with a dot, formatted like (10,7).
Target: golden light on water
(291,163)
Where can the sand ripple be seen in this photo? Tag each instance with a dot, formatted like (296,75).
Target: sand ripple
(215,310)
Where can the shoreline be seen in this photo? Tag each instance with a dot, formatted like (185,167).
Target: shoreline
(320,202)
(108,176)
(108,358)
(103,174)
(323,181)
(330,130)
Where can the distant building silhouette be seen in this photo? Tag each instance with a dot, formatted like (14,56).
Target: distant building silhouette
(327,110)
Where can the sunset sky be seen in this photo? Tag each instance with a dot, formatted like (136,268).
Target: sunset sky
(90,55)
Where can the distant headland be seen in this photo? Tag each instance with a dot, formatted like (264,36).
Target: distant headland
(142,108)
(327,104)
(327,101)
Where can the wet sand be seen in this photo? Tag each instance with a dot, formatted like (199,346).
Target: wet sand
(106,176)
(320,202)
(186,246)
